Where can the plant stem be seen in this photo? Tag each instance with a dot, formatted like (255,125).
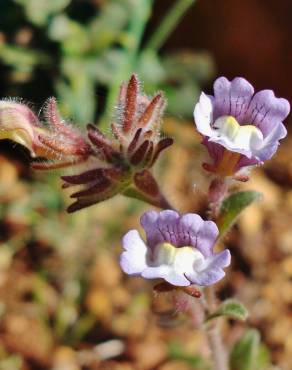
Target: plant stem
(140,15)
(214,335)
(217,192)
(168,24)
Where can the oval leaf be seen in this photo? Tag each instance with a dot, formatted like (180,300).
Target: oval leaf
(233,206)
(232,309)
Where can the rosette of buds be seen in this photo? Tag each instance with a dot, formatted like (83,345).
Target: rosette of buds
(105,166)
(122,162)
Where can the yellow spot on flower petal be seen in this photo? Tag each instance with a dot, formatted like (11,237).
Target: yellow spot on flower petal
(242,136)
(180,258)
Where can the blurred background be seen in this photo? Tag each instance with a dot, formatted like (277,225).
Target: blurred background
(64,303)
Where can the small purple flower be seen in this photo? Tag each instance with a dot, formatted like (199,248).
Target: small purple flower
(239,128)
(178,249)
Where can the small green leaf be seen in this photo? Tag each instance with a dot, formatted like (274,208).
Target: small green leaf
(233,206)
(232,309)
(248,353)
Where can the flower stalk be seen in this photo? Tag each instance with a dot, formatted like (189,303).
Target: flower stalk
(218,352)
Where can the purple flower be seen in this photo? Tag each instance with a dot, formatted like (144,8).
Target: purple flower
(240,128)
(178,249)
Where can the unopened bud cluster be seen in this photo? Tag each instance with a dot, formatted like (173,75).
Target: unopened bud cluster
(109,165)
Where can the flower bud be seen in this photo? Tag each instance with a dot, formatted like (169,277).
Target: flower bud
(121,164)
(108,165)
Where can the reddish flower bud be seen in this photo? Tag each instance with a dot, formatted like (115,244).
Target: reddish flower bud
(110,166)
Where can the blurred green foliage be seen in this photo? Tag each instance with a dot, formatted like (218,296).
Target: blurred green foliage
(80,51)
(249,353)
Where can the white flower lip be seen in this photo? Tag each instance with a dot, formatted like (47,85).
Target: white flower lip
(245,139)
(181,260)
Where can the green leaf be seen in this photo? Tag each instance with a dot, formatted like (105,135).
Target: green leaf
(232,309)
(248,353)
(233,206)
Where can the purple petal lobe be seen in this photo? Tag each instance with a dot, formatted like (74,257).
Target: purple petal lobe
(212,270)
(241,92)
(149,224)
(188,228)
(167,225)
(271,143)
(222,97)
(266,111)
(207,235)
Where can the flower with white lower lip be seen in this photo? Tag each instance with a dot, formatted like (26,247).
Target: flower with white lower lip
(239,128)
(178,249)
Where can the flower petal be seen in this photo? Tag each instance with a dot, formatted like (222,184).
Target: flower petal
(271,143)
(203,114)
(211,271)
(232,98)
(167,224)
(222,97)
(266,111)
(243,139)
(206,238)
(149,224)
(133,260)
(160,227)
(167,273)
(241,92)
(215,150)
(188,228)
(205,278)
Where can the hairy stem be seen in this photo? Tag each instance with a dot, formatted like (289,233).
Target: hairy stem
(218,351)
(217,192)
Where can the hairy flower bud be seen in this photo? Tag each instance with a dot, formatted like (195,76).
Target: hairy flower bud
(108,165)
(18,123)
(122,162)
(52,139)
